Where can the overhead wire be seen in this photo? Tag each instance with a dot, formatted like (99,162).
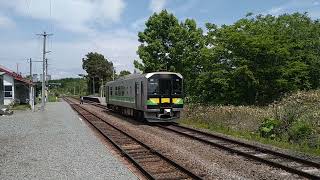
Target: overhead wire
(28,3)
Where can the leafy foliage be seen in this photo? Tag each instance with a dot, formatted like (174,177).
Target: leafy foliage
(68,86)
(99,69)
(256,60)
(300,131)
(269,128)
(124,73)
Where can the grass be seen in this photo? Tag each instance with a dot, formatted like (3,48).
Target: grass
(53,99)
(252,136)
(298,114)
(22,107)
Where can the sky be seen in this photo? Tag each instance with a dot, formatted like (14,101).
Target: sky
(109,27)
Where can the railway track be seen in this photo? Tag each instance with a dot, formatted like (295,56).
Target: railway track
(149,161)
(292,164)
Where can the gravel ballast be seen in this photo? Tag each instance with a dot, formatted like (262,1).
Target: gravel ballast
(212,162)
(54,144)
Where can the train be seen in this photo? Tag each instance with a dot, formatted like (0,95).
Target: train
(152,97)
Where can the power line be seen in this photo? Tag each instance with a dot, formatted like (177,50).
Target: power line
(28,7)
(50,13)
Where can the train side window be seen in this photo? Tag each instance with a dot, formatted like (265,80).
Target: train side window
(110,91)
(130,91)
(141,87)
(137,88)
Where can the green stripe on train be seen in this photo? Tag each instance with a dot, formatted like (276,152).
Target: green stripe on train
(122,99)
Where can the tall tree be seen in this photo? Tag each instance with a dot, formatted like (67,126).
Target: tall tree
(156,43)
(99,69)
(274,55)
(124,73)
(167,45)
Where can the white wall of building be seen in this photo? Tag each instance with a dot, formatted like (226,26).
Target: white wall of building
(8,81)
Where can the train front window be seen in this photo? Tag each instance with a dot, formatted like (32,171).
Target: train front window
(165,86)
(176,86)
(153,87)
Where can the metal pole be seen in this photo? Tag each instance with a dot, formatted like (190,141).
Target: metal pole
(102,89)
(113,73)
(30,60)
(31,88)
(43,71)
(93,87)
(47,82)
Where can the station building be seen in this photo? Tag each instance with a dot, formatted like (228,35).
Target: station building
(14,88)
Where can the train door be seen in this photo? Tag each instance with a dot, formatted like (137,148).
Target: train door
(141,94)
(137,95)
(107,94)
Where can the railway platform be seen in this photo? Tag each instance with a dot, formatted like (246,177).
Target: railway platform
(54,144)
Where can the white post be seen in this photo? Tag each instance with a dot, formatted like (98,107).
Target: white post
(31,97)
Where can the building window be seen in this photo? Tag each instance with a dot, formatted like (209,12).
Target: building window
(8,91)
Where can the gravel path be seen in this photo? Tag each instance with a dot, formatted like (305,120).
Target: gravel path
(54,144)
(204,159)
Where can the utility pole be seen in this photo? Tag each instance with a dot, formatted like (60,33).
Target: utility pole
(93,86)
(113,73)
(31,87)
(17,68)
(44,69)
(46,80)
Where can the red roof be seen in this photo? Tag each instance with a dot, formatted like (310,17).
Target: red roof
(15,75)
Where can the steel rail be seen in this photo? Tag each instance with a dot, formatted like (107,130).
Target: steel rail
(254,150)
(228,144)
(149,175)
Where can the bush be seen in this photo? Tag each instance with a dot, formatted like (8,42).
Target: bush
(269,128)
(300,132)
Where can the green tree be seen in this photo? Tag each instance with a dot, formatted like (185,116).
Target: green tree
(256,60)
(167,45)
(274,55)
(99,69)
(156,43)
(124,73)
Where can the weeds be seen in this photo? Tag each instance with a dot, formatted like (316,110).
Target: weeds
(293,122)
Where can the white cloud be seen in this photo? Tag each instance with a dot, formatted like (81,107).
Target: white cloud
(75,16)
(139,24)
(295,6)
(65,60)
(314,14)
(275,11)
(6,22)
(157,5)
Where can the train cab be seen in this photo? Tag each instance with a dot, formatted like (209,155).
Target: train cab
(164,96)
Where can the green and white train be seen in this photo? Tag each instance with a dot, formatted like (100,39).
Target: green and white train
(155,97)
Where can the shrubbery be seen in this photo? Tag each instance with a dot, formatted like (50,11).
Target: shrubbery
(269,128)
(295,119)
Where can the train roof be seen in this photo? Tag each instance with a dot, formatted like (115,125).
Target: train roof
(146,75)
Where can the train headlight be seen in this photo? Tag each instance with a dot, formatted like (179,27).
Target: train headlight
(167,111)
